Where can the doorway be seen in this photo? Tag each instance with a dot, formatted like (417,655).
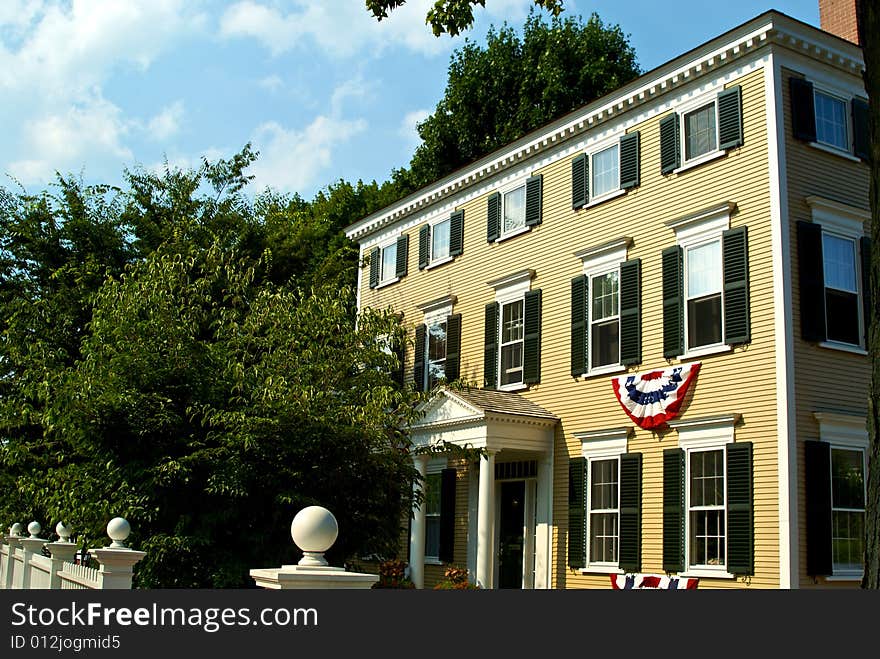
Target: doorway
(511,534)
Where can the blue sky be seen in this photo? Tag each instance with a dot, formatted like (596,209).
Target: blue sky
(320,88)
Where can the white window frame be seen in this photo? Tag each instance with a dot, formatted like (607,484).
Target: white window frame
(503,233)
(696,436)
(688,108)
(848,432)
(847,222)
(598,261)
(847,119)
(434,468)
(383,246)
(434,261)
(828,86)
(598,445)
(508,290)
(694,231)
(434,312)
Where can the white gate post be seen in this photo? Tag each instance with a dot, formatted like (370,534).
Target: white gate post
(117,561)
(32,545)
(13,541)
(62,551)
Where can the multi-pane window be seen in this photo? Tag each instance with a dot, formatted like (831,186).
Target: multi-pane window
(435,346)
(700,134)
(703,287)
(389,262)
(605,171)
(511,361)
(514,212)
(830,120)
(706,508)
(847,509)
(432,515)
(841,289)
(604,510)
(604,319)
(440,240)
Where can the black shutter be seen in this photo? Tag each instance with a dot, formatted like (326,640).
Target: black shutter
(861,141)
(631,312)
(673,302)
(740,518)
(580,287)
(577,527)
(402,255)
(398,348)
(424,246)
(730,127)
(735,256)
(533,200)
(673,510)
(493,217)
(670,149)
(812,281)
(419,358)
(867,300)
(803,112)
(532,337)
(490,347)
(817,479)
(580,181)
(630,547)
(456,233)
(630,169)
(375,258)
(453,347)
(447,516)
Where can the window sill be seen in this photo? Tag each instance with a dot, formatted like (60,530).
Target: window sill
(608,196)
(431,560)
(854,576)
(707,350)
(518,386)
(707,573)
(383,284)
(601,569)
(699,160)
(605,370)
(833,150)
(512,234)
(843,347)
(439,262)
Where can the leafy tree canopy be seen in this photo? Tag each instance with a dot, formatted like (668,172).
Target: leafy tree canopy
(450,16)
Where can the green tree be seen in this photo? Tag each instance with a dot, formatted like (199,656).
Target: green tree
(498,93)
(450,16)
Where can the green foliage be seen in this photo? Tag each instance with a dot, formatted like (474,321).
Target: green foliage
(455,578)
(392,575)
(498,93)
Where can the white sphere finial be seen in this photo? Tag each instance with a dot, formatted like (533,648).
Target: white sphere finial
(34,529)
(118,530)
(15,529)
(64,531)
(314,530)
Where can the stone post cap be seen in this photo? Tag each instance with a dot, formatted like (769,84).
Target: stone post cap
(118,531)
(64,531)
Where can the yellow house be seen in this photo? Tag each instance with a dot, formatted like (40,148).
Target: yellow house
(654,313)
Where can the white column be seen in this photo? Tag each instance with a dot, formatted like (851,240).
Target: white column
(417,529)
(486,521)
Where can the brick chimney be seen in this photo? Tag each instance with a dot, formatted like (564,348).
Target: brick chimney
(839,17)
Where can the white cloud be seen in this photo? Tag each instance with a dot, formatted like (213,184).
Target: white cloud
(273,83)
(408,129)
(167,123)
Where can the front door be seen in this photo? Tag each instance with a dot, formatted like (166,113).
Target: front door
(511,534)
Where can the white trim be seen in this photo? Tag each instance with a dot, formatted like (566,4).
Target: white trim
(704,224)
(609,252)
(601,568)
(700,160)
(705,422)
(606,443)
(383,284)
(827,148)
(515,232)
(704,351)
(447,301)
(513,386)
(604,370)
(841,429)
(694,104)
(515,184)
(843,218)
(843,347)
(434,264)
(845,576)
(517,279)
(707,573)
(780,242)
(608,196)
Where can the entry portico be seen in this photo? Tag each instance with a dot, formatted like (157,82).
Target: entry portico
(508,526)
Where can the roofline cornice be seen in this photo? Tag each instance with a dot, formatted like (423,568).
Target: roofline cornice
(770,28)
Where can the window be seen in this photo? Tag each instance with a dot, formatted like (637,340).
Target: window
(833,255)
(705,285)
(438,342)
(701,130)
(432,516)
(713,512)
(606,321)
(835,470)
(829,119)
(514,209)
(605,503)
(606,171)
(442,240)
(513,333)
(388,261)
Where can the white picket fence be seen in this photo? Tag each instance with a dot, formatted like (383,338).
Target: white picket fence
(23,565)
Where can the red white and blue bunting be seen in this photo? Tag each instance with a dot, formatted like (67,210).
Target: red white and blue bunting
(653,398)
(652,581)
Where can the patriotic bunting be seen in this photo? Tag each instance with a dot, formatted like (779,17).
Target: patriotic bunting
(653,398)
(652,581)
